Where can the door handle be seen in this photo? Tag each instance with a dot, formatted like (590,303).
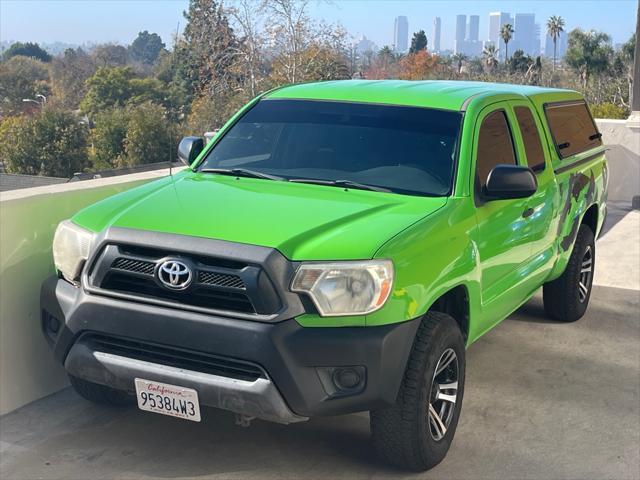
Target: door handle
(528,212)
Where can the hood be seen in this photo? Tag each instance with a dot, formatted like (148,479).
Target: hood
(302,221)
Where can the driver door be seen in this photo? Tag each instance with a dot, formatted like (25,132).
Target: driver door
(502,225)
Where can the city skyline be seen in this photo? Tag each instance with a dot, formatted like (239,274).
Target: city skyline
(70,21)
(527,35)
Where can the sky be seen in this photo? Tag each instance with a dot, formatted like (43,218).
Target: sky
(119,21)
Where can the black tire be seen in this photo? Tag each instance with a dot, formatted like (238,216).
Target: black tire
(563,299)
(99,393)
(402,434)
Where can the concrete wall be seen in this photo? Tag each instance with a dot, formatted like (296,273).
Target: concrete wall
(623,157)
(27,221)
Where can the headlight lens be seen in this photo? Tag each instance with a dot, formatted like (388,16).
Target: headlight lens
(345,288)
(71,249)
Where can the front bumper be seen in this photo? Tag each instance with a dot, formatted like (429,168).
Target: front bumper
(294,359)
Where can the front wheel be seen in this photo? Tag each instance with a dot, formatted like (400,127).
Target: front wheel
(567,297)
(417,431)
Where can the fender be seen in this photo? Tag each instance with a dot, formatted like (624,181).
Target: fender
(432,257)
(579,191)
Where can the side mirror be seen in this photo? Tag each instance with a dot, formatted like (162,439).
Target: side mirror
(189,149)
(510,181)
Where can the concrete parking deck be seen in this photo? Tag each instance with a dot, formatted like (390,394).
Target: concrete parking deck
(543,400)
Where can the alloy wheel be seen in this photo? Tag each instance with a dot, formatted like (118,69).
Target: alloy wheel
(586,272)
(443,394)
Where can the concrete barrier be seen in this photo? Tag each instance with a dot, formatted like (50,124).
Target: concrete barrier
(623,157)
(28,219)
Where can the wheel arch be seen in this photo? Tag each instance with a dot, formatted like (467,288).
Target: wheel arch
(590,218)
(455,303)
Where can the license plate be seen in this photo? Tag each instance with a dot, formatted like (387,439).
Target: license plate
(172,400)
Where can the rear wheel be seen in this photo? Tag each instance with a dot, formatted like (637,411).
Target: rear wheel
(567,297)
(99,393)
(417,431)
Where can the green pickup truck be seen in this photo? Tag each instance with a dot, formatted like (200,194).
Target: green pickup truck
(333,249)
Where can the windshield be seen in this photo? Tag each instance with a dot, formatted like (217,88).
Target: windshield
(406,150)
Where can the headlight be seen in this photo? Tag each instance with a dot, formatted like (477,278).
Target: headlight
(71,249)
(345,288)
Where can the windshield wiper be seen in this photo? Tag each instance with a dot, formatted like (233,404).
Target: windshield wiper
(241,172)
(341,183)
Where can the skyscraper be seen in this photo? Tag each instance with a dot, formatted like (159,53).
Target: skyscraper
(496,21)
(524,37)
(467,36)
(435,41)
(461,28)
(474,28)
(401,34)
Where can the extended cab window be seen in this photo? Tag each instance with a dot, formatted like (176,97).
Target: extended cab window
(530,138)
(404,149)
(495,145)
(572,127)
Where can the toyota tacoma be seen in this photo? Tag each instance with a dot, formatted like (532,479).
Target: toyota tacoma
(334,248)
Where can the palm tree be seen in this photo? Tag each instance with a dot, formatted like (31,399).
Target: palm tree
(459,58)
(386,55)
(490,56)
(555,26)
(506,33)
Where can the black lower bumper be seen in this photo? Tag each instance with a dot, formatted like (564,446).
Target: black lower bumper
(296,359)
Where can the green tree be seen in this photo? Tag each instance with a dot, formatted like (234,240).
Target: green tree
(69,73)
(108,87)
(52,143)
(148,90)
(519,62)
(146,48)
(384,64)
(555,26)
(386,56)
(418,42)
(31,50)
(107,138)
(18,152)
(628,48)
(21,77)
(506,33)
(149,136)
(588,53)
(118,87)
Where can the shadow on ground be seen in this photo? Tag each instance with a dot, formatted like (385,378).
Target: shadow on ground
(543,400)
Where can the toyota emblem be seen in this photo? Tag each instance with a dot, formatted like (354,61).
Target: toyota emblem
(174,274)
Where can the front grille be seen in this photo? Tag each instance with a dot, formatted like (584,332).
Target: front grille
(197,296)
(136,266)
(219,285)
(221,280)
(174,357)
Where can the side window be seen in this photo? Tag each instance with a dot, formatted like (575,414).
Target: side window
(572,128)
(495,145)
(531,138)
